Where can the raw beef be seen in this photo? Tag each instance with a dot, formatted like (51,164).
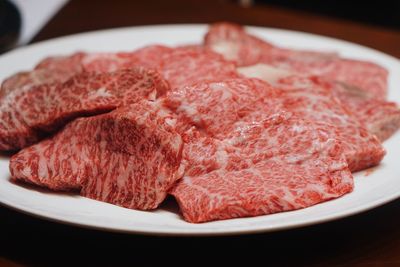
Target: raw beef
(50,70)
(203,154)
(129,157)
(59,69)
(379,117)
(234,43)
(312,98)
(217,108)
(149,57)
(26,115)
(180,66)
(235,128)
(284,163)
(189,65)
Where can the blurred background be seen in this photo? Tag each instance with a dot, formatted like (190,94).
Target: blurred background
(385,13)
(24,21)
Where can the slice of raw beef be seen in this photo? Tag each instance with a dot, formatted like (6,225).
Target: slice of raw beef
(203,154)
(129,157)
(234,43)
(27,115)
(50,70)
(312,98)
(28,109)
(58,69)
(218,108)
(189,65)
(379,117)
(284,163)
(148,56)
(180,66)
(214,107)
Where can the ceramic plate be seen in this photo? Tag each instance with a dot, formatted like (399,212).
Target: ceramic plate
(372,187)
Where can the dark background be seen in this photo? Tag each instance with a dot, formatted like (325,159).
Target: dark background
(381,13)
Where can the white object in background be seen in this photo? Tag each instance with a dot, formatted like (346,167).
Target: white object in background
(35,14)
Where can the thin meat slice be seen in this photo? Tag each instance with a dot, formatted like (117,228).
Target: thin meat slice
(32,110)
(129,157)
(148,57)
(303,168)
(188,65)
(234,43)
(379,117)
(203,154)
(50,70)
(180,66)
(231,41)
(214,107)
(58,69)
(29,114)
(312,98)
(218,108)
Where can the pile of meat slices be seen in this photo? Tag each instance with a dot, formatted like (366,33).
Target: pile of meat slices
(231,128)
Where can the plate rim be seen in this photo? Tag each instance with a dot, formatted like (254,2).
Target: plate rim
(202,232)
(196,232)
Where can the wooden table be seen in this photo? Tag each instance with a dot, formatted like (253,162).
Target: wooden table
(368,239)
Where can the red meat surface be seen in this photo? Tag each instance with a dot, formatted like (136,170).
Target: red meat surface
(50,70)
(284,163)
(379,117)
(234,43)
(85,84)
(27,115)
(129,157)
(218,108)
(233,128)
(180,66)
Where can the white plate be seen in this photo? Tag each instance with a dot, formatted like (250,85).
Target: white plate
(377,188)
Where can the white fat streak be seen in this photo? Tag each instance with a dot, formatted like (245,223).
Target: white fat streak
(294,158)
(187,109)
(42,165)
(170,121)
(26,171)
(228,49)
(338,165)
(175,142)
(264,72)
(100,92)
(9,103)
(95,56)
(226,94)
(222,158)
(187,180)
(298,128)
(190,111)
(36,76)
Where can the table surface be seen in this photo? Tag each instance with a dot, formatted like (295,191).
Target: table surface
(368,239)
